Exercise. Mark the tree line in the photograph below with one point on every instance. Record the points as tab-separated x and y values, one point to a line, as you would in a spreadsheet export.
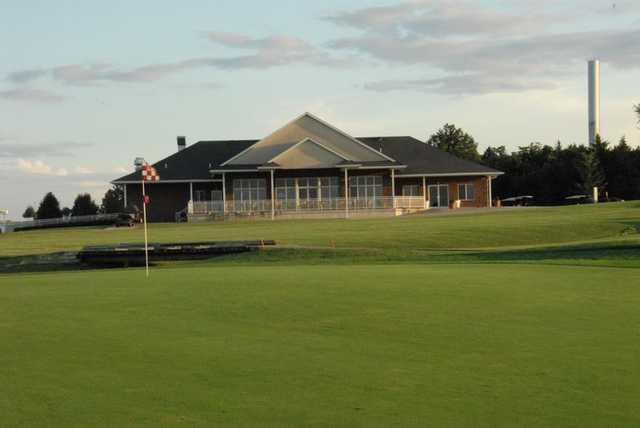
49	207
552	173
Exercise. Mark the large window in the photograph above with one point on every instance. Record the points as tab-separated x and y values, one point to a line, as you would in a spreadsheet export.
466	192
365	187
249	189
411	190
306	192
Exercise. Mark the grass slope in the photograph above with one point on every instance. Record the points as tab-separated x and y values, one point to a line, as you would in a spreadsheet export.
531	227
508	345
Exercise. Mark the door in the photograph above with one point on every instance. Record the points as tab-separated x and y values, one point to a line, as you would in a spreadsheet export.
439	196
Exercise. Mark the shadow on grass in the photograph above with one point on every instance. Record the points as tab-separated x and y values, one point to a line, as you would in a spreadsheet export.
608	254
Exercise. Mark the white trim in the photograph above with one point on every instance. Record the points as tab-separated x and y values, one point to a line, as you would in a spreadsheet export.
346	193
224	193
348	136
385	167
304	140
393	183
453	174
273	197
222	171
467	183
125	195
168	181
344	134
489	180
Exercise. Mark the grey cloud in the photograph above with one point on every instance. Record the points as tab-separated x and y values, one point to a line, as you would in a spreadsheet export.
496	59
468	84
30	150
272	51
29	94
437	19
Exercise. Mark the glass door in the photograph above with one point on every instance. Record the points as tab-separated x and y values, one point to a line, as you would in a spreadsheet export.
439	196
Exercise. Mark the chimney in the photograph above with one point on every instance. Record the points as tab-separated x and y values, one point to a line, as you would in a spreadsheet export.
182	143
594	100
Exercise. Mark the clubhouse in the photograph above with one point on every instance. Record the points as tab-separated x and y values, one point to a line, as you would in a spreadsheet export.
308	168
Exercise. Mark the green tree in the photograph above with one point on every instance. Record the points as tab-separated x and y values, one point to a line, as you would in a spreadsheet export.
29	212
66	212
49	207
84	205
636	108
455	141
113	201
591	173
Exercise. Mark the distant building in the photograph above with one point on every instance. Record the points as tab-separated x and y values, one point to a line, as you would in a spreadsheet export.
309	168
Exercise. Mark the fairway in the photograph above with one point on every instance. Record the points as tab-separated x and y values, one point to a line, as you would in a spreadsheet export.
499	229
411	331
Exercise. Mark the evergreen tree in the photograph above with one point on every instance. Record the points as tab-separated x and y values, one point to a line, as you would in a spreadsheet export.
455	141
84	205
113	201
49	207
29	212
591	173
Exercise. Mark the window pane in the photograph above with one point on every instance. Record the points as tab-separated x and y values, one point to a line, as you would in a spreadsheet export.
470	192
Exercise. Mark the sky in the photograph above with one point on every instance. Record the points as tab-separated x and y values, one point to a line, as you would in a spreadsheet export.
87	86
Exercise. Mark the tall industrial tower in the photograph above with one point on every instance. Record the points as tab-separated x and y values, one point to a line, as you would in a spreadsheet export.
594	100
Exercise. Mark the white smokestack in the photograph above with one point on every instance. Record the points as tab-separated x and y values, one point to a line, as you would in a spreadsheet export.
594	100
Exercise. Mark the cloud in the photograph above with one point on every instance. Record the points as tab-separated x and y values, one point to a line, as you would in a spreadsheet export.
469	49
29	94
25	150
83	170
437	19
266	52
40	168
467	84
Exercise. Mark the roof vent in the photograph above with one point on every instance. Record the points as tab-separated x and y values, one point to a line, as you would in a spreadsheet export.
182	143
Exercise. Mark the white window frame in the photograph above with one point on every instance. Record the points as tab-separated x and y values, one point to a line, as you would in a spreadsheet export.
366	187
249	189
466	187
411	190
199	195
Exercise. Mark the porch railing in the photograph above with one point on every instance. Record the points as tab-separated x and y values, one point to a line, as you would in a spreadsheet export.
310	205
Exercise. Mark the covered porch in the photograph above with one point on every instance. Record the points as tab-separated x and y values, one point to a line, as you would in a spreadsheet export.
300	193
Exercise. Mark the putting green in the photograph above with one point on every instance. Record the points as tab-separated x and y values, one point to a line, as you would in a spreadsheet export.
405	345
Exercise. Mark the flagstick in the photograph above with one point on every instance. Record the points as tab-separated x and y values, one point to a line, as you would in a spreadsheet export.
144	213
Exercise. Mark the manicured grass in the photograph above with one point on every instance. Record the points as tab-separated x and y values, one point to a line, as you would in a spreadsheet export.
409	345
529	227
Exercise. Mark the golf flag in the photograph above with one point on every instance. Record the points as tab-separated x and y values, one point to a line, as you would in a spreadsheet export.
149	173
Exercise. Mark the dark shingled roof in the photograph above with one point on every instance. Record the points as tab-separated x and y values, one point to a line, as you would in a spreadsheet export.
193	162
421	158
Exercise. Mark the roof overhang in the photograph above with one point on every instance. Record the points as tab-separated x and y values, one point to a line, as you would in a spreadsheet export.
161	181
455	174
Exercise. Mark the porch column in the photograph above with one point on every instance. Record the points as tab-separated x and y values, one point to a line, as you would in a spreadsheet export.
346	193
393	187
224	194
424	191
125	195
191	191
273	199
490	203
